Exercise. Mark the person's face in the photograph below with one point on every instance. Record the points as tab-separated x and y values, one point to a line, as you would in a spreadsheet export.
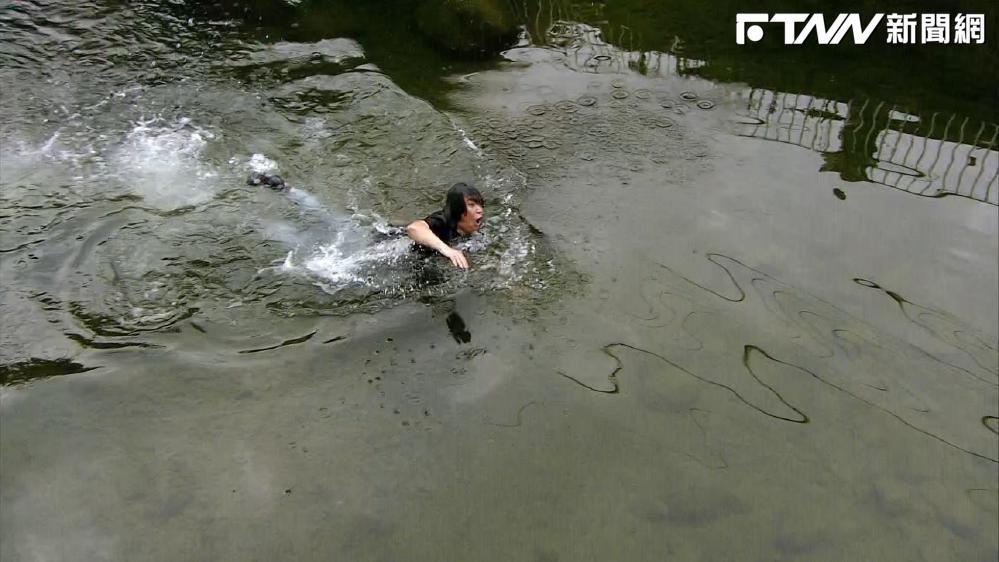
471	221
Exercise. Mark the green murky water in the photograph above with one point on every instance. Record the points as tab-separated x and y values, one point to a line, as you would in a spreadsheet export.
729	302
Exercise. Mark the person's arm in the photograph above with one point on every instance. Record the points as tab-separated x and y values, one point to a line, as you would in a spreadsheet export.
420	232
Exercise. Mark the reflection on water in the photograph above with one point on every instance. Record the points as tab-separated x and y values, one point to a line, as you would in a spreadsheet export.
934	156
931	155
587	49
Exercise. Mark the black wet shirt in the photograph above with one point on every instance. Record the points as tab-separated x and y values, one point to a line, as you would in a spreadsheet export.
440	228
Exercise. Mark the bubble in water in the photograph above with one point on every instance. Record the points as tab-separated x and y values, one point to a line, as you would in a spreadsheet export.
705	104
688	96
586	100
619	94
566	106
537	109
600	130
624	105
660	121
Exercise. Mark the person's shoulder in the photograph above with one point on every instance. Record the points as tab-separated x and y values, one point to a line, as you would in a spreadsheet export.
436	217
439	226
436	222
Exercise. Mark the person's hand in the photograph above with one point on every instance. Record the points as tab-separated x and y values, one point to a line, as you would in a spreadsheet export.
456	257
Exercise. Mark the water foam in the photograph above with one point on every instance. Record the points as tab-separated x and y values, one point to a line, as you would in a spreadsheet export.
468	141
340	267
364	249
161	162
352	260
262	164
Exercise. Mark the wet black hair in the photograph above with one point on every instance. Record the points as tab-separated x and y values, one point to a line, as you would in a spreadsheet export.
454	204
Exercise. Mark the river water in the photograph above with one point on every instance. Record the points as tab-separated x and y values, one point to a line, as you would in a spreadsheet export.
710	314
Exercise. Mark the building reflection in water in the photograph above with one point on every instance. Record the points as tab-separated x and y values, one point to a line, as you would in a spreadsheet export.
930	156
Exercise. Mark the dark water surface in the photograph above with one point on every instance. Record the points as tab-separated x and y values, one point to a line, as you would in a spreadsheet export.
729	302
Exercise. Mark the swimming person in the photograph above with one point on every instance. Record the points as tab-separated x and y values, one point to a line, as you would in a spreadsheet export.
461	216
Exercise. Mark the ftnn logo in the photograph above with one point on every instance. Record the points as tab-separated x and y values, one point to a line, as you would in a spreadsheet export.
809	23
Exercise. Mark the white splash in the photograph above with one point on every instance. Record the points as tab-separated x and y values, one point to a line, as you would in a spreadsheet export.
337	266
262	164
303	197
468	142
47	147
161	162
